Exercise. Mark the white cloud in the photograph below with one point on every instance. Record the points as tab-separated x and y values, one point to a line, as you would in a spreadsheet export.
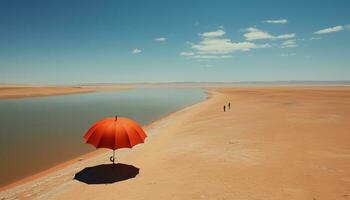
217	33
330	30
161	39
136	51
253	33
289	44
286	36
214	45
224	46
186	53
276	21
256	34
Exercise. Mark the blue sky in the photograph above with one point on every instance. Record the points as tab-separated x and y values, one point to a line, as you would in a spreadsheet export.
69	42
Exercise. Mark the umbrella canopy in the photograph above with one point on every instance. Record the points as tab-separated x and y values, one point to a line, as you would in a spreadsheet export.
115	133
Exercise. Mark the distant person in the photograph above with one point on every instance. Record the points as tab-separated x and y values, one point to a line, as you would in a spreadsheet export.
229	105
224	108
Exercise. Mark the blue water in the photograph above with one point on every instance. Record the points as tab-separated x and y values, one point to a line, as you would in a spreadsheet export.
38	133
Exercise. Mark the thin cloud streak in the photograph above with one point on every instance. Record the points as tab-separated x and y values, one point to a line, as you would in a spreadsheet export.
330	30
276	21
161	39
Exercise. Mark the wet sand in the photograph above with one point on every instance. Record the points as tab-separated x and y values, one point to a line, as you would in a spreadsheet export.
274	143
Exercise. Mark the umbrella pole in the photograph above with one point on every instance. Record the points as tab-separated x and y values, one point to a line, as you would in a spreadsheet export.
113	156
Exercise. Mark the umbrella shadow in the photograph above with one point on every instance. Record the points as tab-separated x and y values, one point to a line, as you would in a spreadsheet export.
106	173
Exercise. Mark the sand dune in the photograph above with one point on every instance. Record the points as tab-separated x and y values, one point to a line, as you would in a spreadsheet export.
274	143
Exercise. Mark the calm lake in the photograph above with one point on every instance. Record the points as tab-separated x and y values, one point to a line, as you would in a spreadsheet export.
38	133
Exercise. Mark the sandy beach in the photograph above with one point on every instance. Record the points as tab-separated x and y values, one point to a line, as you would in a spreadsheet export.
274	143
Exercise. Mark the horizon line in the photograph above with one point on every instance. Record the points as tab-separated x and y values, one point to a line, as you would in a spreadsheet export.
189	82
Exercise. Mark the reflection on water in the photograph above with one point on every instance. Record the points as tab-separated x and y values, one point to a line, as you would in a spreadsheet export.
38	133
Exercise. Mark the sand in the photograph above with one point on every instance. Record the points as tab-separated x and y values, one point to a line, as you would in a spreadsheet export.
274	143
25	91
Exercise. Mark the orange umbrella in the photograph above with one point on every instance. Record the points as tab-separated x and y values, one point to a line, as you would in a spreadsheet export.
115	133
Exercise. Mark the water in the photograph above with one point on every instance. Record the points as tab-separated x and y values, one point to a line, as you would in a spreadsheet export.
38	133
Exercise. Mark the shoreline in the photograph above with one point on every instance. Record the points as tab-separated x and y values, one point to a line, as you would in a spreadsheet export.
89	155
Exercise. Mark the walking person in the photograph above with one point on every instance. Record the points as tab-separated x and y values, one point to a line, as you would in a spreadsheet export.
224	108
229	105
